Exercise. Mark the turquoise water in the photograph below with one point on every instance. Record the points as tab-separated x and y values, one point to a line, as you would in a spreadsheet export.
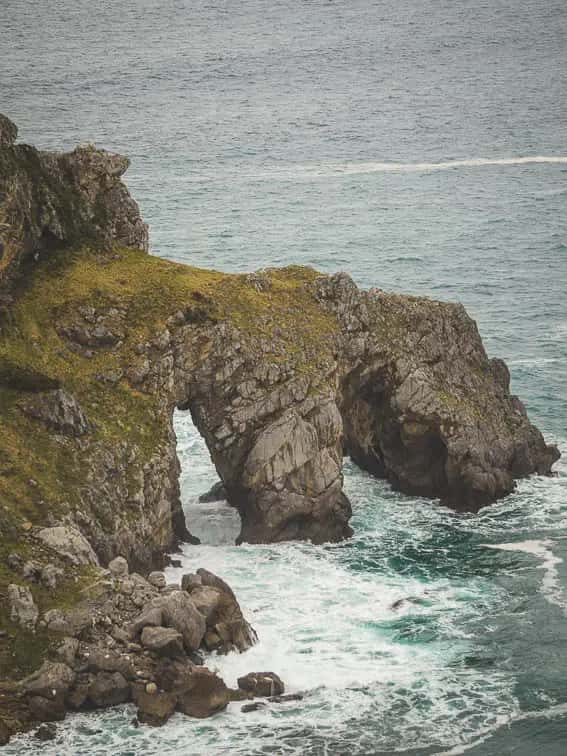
389	141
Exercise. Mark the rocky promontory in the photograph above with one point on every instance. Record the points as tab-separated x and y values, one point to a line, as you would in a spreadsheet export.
284	371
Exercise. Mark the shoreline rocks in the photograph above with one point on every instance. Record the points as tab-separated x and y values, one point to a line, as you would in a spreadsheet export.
283	371
144	654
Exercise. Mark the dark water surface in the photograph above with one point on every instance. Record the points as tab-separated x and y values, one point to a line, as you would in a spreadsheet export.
389	140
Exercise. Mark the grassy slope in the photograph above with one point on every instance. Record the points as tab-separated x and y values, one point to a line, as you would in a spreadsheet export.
33	355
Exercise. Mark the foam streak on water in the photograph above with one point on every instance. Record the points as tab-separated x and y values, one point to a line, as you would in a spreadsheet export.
353	168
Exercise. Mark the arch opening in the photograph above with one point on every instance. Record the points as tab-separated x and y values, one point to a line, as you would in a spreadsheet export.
213	521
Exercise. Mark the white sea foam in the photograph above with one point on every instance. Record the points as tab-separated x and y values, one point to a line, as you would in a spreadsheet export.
350	168
378	167
377	674
550	583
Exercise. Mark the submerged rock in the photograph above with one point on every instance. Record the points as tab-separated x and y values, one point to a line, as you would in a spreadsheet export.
46	732
261	684
217	492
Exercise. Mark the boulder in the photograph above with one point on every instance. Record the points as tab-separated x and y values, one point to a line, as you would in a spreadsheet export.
286	698
51	680
46	731
207	600
118	567
99	659
5	733
151	616
180	613
164	641
227	629
23	610
173	675
155	708
69	543
109	689
79	692
190	581
157	579
46	709
261	684
203	695
217	492
252	707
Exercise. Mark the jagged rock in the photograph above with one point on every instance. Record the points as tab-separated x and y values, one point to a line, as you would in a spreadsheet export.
71	622
8	132
46	731
155	709
151	616
70	543
261	684
52	680
203	694
252	706
109	689
164	641
286	698
23	610
61	198
46	709
50	576
173	674
97	659
188	582
118	567
15	562
209	578
157	579
180	613
5	731
58	410
67	651
216	492
227	629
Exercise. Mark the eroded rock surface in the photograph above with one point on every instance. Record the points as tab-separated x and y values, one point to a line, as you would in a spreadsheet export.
128	650
282	371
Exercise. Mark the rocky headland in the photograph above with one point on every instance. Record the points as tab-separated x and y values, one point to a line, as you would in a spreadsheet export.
284	371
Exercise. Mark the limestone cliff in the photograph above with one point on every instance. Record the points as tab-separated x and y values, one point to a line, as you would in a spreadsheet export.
282	370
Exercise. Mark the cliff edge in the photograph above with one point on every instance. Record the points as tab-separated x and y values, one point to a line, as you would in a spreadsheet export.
283	372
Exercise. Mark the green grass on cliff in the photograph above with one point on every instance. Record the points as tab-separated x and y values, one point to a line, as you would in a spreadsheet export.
41	473
34	356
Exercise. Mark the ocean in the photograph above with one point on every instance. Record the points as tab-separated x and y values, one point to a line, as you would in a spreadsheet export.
421	146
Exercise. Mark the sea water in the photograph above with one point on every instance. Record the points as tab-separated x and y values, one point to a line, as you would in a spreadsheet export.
420	146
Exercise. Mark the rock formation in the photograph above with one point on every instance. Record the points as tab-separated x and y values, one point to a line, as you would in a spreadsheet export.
126	640
282	370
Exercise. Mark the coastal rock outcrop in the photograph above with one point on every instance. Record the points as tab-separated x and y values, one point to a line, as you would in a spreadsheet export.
99	663
283	371
49	199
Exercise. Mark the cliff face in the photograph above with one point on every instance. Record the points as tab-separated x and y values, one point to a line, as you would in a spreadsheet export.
51	199
282	370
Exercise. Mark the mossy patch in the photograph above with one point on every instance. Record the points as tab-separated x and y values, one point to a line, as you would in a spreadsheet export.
42	473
